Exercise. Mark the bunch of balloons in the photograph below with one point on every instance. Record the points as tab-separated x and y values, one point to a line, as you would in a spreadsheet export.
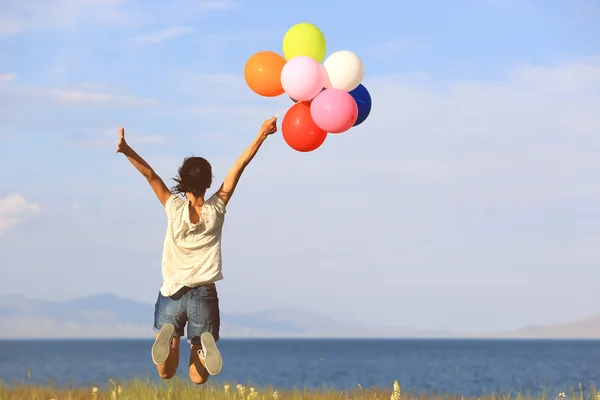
329	97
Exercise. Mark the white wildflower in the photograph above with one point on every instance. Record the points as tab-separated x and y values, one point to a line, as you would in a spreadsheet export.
241	390
396	393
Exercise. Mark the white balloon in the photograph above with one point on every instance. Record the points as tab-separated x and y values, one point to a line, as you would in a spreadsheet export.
345	70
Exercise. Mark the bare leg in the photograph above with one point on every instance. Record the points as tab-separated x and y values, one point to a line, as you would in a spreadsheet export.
168	369
198	372
210	354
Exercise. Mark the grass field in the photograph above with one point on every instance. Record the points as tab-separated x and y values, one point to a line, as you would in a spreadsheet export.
176	389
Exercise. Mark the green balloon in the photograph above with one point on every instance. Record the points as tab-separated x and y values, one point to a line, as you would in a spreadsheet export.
304	39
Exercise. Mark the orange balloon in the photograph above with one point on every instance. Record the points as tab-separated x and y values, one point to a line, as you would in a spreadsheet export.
263	73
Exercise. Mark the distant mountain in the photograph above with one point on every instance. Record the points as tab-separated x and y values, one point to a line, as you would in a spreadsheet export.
292	322
588	328
95	316
108	315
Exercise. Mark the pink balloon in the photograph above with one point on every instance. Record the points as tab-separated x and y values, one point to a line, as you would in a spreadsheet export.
302	78
334	110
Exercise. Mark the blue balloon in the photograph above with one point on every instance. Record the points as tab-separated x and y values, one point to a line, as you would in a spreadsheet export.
363	100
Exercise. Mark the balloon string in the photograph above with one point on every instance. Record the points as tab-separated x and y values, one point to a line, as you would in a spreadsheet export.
284	111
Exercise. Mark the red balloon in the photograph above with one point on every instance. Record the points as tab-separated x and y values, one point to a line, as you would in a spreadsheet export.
299	130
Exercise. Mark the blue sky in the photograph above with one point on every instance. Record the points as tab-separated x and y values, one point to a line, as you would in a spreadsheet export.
468	200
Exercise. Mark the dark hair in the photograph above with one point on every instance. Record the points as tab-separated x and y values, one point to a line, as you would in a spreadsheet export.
195	176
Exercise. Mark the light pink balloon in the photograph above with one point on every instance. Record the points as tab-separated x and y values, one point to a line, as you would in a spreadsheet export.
334	110
302	78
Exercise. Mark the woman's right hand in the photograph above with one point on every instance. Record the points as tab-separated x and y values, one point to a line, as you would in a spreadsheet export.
269	126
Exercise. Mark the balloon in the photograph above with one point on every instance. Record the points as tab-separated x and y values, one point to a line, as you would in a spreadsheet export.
344	70
326	80
263	73
300	131
334	110
302	78
363	101
304	39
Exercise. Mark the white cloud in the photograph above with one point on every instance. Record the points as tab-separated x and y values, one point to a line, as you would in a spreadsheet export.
521	5
229	94
219	5
5	78
396	46
37	15
161	35
14	210
107	138
71	96
152	139
176	12
9	26
40	15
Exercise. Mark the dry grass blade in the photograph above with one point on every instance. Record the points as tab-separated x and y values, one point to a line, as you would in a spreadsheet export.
177	389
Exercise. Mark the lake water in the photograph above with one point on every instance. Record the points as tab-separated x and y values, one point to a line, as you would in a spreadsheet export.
464	367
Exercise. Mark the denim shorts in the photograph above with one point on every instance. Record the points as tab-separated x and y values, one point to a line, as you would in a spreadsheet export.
198	307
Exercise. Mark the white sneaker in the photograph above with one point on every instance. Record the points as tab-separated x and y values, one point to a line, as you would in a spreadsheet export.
210	354
162	345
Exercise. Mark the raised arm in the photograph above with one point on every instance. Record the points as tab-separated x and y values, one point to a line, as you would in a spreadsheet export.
157	184
231	180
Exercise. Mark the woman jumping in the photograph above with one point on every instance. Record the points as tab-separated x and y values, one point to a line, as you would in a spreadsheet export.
191	259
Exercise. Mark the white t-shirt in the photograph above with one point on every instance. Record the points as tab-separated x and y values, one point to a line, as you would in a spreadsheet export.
192	252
